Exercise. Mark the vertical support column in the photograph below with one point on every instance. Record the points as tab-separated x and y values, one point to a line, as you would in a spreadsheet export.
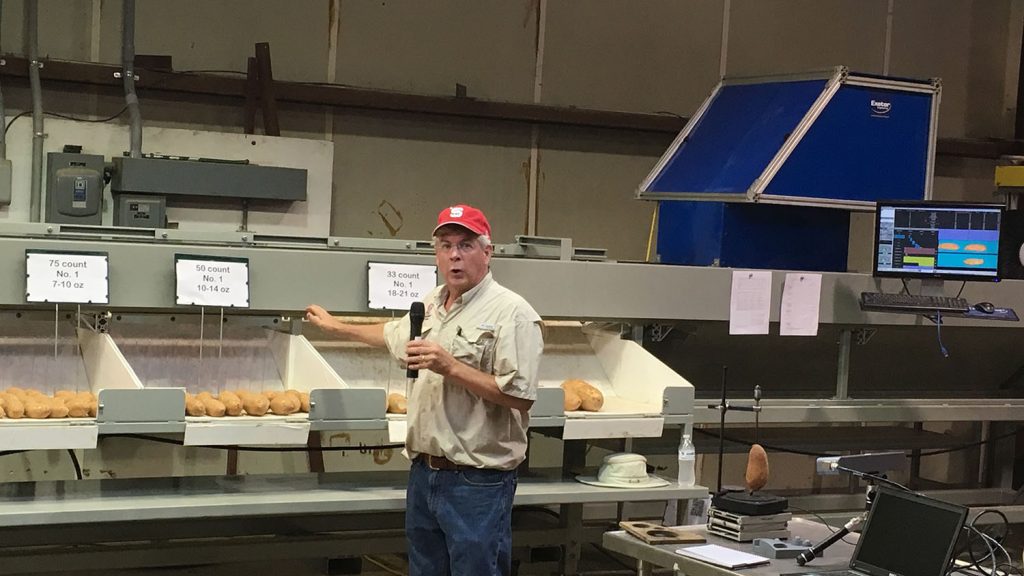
915	462
843	365
1002	456
271	125
638	333
572	529
532	203
574	457
252	95
984	454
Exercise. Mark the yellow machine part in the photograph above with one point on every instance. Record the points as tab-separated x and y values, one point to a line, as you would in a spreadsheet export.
1010	176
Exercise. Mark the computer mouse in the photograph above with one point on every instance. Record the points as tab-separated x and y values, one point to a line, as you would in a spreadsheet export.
986	307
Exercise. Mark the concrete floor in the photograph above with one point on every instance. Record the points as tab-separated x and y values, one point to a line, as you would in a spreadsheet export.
593	560
279	568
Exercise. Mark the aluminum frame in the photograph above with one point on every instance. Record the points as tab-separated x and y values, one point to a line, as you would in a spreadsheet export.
836	78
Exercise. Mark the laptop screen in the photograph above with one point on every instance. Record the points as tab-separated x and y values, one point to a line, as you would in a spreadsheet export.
908	535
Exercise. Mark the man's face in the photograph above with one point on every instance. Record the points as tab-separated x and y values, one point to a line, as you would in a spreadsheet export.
460	257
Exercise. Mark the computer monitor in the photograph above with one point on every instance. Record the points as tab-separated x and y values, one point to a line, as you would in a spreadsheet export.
937	240
907	534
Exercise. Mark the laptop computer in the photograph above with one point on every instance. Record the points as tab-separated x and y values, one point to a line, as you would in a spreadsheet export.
905	535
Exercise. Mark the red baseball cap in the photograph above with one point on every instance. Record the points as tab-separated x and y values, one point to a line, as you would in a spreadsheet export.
468	217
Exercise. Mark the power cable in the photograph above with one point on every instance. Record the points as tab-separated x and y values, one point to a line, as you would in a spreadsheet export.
383	566
74	462
819	455
820	519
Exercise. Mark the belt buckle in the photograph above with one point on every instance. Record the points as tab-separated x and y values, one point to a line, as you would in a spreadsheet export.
430	462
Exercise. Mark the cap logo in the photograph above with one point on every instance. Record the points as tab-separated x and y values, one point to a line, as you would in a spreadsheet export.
455	212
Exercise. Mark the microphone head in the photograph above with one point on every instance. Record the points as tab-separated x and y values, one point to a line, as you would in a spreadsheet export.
417	310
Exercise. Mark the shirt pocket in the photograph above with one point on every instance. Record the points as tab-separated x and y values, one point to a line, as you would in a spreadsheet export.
476	346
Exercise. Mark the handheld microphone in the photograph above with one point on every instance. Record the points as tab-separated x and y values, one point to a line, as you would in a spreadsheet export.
820	547
416	314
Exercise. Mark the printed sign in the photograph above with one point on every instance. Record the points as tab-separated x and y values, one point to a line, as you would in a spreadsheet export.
66	277
212	281
397	286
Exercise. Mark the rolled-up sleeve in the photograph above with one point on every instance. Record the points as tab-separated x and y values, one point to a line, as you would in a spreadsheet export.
517	358
396	334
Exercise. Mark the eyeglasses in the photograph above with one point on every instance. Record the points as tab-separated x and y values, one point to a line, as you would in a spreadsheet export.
464	247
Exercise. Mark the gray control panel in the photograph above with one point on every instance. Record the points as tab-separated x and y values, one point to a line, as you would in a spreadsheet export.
140	211
74	188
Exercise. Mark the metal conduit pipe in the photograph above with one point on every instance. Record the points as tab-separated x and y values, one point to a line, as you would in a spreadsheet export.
3	113
128	76
35	200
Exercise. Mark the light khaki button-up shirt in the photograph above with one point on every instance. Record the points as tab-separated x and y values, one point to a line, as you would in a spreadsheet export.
495	331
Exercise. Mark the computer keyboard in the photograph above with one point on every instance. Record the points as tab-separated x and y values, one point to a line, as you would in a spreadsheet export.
911	303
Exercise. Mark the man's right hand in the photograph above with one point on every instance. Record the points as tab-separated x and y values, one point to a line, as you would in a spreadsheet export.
317	316
372	334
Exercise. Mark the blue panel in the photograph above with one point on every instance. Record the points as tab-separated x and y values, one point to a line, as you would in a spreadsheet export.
786	237
860	151
690	232
737	136
753	236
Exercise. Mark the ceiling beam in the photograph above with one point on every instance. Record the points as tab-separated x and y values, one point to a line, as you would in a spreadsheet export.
155	82
208	84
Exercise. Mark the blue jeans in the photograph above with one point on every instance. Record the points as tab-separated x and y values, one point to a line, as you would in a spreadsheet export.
459	523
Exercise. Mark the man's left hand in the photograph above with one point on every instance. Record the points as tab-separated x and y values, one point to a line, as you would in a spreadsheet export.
429	355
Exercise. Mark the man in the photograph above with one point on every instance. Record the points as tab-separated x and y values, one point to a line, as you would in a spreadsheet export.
467	412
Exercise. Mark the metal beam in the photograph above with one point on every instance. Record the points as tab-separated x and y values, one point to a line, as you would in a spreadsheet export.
154	81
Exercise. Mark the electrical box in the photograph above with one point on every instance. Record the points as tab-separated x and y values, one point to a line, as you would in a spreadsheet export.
74	188
177	177
140	211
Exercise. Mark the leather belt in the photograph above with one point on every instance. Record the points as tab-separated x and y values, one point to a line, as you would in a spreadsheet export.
441	463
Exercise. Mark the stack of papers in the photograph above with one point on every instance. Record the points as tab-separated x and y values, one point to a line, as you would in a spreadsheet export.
722	556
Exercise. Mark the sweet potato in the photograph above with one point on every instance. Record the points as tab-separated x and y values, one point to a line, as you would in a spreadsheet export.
397	403
12	405
295	395
254	404
757	468
213	406
283	404
58	409
193	407
572	400
232	403
304	402
591	399
37	409
77	407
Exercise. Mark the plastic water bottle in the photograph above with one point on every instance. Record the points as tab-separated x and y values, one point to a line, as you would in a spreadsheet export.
687	462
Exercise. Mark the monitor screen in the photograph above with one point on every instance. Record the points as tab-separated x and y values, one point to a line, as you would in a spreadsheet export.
908	535
945	240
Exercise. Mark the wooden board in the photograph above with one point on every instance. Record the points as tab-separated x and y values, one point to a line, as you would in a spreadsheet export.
652	533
